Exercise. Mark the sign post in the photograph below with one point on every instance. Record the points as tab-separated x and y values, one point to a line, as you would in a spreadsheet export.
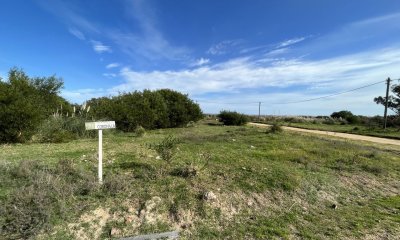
100	126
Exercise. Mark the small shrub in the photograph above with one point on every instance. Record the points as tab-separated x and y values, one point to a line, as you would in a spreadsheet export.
188	171
114	184
166	148
140	131
275	128
193	168
232	118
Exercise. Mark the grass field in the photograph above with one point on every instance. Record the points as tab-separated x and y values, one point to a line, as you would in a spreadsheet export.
393	133
223	183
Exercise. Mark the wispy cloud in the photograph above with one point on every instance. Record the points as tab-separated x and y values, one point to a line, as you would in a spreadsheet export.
113	65
81	95
238	75
78	34
148	42
110	75
276	52
256	48
200	62
290	42
100	47
355	36
223	47
274	82
64	11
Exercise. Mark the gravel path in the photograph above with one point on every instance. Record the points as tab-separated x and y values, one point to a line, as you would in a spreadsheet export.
336	134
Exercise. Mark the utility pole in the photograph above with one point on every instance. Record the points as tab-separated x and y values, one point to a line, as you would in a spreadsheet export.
259	110
386	103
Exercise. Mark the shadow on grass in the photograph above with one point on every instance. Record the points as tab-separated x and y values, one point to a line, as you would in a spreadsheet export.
134	165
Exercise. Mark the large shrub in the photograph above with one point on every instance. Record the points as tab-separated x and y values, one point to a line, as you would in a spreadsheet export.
232	118
149	109
25	102
180	108
346	115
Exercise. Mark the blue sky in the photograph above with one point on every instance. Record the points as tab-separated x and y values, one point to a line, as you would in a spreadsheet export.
226	54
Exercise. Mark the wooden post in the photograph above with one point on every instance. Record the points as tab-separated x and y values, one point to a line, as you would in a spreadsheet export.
100	156
100	126
386	103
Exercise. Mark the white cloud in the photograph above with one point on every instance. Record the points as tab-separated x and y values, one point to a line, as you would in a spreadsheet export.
81	95
250	80
290	42
148	42
110	75
200	62
319	77
64	11
367	34
112	65
100	47
223	47
78	34
277	51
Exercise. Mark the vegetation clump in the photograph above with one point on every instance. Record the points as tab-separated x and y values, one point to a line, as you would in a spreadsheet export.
232	118
40	195
166	149
140	131
163	108
275	128
346	115
25	102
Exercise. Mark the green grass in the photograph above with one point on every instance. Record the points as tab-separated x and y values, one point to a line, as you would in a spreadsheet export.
393	133
268	185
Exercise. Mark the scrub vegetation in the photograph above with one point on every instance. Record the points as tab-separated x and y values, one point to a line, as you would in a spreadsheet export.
343	121
214	182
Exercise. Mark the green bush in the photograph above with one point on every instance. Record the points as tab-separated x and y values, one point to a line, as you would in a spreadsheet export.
140	131
346	115
232	118
25	102
150	109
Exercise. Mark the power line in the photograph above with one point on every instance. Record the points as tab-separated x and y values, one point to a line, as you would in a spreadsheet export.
334	94
305	100
227	103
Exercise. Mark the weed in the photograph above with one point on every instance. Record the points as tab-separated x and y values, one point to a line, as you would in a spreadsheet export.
275	128
166	148
140	131
194	167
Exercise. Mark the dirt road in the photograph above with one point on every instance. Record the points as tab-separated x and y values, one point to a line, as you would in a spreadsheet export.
336	134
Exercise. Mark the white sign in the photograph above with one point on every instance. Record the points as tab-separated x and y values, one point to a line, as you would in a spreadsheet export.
99	125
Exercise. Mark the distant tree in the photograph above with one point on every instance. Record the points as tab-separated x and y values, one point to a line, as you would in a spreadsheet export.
346	115
393	100
232	118
25	102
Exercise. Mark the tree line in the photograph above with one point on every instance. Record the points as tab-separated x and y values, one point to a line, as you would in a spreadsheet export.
31	106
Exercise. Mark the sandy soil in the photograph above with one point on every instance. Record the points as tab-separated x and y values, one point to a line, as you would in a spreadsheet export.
336	134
